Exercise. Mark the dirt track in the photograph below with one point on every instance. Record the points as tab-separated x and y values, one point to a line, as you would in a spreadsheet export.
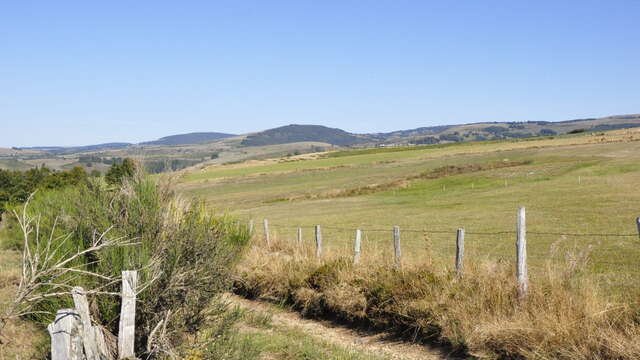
373	343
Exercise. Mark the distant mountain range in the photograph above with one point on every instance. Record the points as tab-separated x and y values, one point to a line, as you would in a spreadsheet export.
422	135
181	139
439	134
75	149
188	139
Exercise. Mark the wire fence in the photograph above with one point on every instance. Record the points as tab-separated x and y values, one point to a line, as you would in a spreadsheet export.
611	257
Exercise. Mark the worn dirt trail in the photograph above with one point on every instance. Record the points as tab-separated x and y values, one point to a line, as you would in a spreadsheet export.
373	343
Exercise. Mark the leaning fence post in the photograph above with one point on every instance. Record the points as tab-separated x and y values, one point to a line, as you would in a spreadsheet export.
66	340
266	231
318	242
396	246
356	252
459	251
521	252
299	237
126	333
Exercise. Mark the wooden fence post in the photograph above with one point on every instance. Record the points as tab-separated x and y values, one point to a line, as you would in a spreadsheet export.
521	252
90	334
266	231
126	333
356	252
459	251
638	224
66	338
396	247
299	237
318	242
250	227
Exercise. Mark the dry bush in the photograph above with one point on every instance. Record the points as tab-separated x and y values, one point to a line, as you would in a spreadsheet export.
564	316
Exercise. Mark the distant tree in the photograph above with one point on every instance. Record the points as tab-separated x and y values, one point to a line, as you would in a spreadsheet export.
215	155
547	132
120	171
16	186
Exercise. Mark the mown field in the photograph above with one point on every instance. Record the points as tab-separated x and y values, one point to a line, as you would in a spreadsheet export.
580	194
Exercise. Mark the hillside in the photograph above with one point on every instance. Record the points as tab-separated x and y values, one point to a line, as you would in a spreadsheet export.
581	203
301	133
442	133
188	139
508	130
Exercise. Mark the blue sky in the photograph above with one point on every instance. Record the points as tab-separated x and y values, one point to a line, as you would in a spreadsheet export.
83	72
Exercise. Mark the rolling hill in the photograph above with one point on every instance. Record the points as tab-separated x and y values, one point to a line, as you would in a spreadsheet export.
77	149
301	133
188	139
439	134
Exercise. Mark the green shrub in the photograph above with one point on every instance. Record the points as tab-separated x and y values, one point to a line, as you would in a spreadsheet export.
183	256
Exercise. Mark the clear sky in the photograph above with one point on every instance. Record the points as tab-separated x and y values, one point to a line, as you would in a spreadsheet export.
85	72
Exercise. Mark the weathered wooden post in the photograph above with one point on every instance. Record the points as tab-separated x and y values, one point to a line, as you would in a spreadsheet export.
66	337
251	227
92	336
299	237
459	251
638	224
356	252
126	333
396	247
521	252
318	242
266	231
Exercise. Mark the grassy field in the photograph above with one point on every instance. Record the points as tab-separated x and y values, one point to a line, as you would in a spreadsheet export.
571	187
581	198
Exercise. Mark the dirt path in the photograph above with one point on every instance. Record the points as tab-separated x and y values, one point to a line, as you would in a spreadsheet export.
378	343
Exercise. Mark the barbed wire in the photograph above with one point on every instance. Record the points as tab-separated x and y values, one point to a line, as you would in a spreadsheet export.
480	233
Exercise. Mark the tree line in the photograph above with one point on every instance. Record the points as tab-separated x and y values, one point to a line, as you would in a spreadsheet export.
16	186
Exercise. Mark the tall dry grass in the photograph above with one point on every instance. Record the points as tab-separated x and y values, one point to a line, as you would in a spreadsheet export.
564	316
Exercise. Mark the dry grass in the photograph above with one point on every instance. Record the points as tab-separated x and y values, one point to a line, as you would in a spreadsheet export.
565	316
20	339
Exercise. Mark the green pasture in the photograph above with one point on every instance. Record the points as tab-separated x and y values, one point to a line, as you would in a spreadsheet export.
579	198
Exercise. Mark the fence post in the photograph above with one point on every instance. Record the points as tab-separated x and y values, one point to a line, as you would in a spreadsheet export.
66	340
356	253
396	247
521	252
318	242
251	227
266	231
89	332
638	224
459	251
299	237
126	333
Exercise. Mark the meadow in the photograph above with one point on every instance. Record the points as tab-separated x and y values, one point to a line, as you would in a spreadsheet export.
580	195
581	200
